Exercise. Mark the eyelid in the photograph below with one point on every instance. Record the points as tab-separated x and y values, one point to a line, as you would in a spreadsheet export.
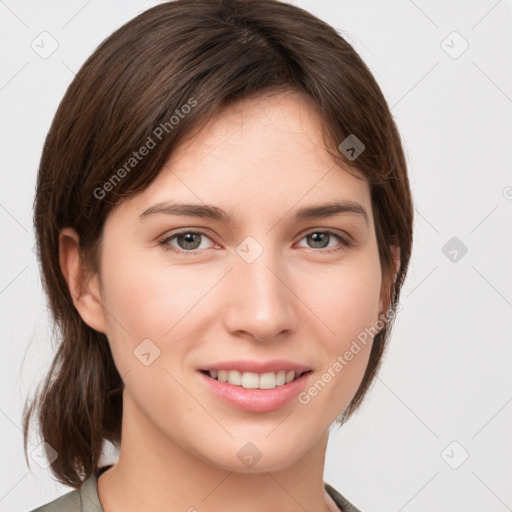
343	234
168	236
344	238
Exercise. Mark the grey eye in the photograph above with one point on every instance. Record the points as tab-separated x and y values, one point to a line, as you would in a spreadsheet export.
320	240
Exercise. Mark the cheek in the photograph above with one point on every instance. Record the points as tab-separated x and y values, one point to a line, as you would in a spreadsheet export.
159	302
346	299
345	303
147	300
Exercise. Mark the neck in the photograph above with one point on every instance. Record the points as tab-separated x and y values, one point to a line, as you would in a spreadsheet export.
154	472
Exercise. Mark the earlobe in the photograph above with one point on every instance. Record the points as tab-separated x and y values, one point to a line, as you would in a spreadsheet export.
83	289
388	284
395	249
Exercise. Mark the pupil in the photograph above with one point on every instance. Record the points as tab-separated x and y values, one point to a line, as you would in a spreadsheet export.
189	241
320	238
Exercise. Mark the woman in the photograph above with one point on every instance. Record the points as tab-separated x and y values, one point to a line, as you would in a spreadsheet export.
224	224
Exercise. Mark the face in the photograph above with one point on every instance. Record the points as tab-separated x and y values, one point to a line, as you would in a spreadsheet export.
251	295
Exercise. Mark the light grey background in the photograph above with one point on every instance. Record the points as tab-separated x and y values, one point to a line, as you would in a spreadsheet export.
444	391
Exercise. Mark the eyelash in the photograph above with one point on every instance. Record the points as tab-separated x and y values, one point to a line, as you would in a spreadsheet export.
164	242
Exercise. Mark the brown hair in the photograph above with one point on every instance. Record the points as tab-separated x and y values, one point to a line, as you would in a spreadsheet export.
205	54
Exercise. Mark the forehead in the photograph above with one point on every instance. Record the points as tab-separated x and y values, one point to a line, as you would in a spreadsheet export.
262	156
274	127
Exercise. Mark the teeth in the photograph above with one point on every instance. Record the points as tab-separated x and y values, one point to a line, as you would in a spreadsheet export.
251	380
234	377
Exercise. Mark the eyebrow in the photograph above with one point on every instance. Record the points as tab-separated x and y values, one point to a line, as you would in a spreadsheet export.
212	212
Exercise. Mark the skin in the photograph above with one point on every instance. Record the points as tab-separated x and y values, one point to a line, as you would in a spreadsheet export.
260	159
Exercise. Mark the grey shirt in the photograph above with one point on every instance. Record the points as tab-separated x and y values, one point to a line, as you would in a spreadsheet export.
86	498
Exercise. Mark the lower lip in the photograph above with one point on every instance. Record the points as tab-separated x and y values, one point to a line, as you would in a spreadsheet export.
256	400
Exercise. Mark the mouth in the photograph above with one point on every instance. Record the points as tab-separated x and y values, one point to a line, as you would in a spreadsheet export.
253	380
256	387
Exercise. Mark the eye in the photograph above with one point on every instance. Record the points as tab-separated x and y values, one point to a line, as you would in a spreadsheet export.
187	241
321	240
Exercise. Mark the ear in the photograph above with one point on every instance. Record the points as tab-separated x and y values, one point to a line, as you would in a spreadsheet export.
84	290
389	281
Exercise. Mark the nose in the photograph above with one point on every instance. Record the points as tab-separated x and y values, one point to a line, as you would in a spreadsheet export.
260	301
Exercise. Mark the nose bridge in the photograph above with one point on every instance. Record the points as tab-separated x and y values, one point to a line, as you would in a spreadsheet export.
260	302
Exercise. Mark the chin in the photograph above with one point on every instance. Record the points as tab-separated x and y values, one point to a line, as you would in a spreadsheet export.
255	454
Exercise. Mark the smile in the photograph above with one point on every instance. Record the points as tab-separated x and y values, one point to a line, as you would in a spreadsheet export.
255	392
252	380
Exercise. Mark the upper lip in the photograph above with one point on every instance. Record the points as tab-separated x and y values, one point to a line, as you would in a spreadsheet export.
258	366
